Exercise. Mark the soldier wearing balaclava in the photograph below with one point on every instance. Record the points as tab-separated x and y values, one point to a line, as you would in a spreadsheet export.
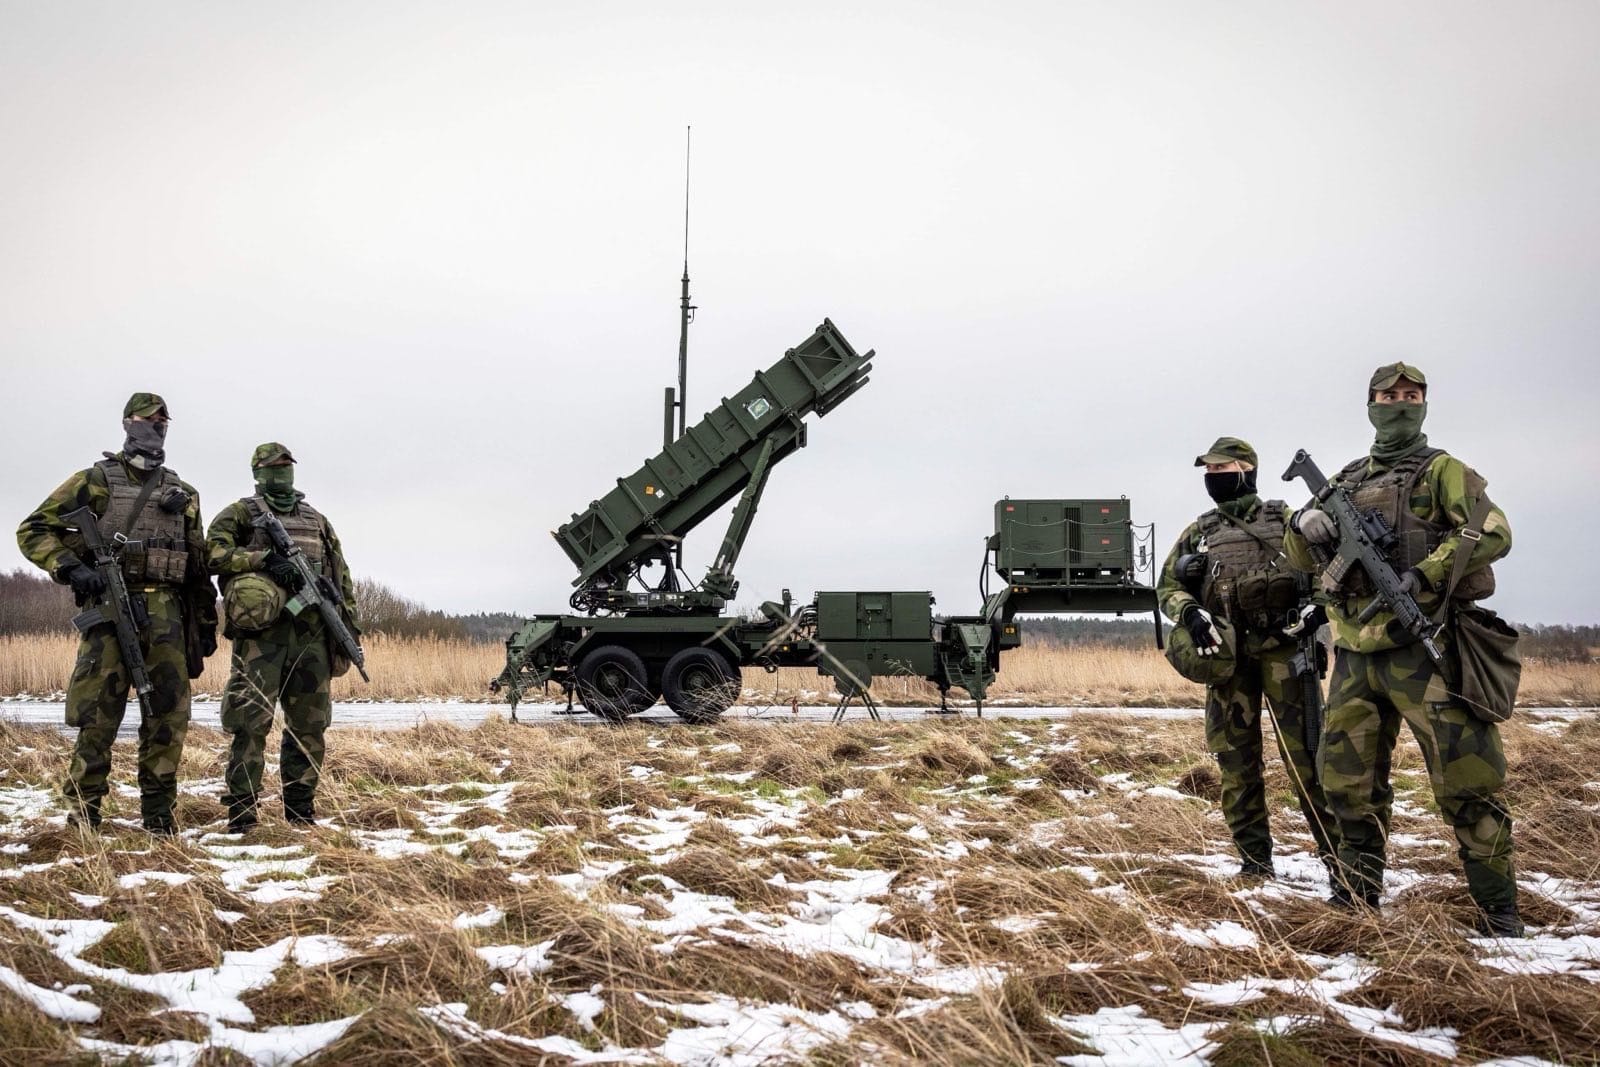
152	517
1227	573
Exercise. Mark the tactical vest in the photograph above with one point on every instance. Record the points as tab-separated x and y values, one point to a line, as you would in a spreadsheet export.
156	550
1247	579
1390	494
304	525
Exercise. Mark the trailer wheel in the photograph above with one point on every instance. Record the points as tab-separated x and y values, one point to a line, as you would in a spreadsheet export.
612	683
700	684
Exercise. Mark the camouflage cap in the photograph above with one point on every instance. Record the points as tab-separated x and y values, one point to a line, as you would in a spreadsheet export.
1389	373
145	405
271	454
1227	450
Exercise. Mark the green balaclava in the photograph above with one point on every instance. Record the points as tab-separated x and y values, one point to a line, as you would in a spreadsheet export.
273	467
1399	426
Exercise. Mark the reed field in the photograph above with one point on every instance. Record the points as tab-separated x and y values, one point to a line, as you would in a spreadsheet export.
1085	676
951	892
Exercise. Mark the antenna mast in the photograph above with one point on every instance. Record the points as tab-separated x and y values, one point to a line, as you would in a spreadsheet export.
685	309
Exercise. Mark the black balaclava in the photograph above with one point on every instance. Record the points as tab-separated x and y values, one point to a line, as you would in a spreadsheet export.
145	442
1224	486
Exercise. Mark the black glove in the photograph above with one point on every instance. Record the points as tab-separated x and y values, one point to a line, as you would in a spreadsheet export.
280	570
208	643
1191	567
1412	583
1198	622
85	581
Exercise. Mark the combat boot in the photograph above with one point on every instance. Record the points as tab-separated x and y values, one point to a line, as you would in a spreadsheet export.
85	816
241	816
161	827
300	811
1342	898
1256	871
1501	922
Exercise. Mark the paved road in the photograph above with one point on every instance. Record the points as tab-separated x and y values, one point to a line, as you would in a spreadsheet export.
401	715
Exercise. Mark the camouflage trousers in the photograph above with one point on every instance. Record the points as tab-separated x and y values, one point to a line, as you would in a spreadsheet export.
97	698
1369	695
1233	734
287	663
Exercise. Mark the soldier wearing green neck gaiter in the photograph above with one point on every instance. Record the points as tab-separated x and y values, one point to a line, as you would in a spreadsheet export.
1382	677
281	654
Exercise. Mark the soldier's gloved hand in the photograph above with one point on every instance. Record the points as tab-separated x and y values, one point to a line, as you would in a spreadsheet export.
208	643
85	581
1197	620
1412	582
1316	526
1311	615
280	570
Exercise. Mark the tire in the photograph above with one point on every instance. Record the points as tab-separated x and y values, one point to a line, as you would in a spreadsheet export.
613	684
700	684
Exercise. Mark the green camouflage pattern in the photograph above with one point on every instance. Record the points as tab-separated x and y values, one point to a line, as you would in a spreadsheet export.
226	555
271	454
97	698
1227	450
287	663
145	405
1389	373
50	543
1233	735
1446	495
1370	694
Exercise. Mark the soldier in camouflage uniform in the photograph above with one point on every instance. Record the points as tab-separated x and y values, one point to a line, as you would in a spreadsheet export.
1229	563
1383	676
163	562
278	655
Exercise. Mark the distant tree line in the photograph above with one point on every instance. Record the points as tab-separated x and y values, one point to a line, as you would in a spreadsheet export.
32	603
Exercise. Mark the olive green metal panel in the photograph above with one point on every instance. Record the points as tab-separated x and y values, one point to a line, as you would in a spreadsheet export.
714	459
1064	542
875	616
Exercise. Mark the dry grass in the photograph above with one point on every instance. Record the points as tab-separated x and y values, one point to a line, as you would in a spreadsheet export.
432	669
1023	850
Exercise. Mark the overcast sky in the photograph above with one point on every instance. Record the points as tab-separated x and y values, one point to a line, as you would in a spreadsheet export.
435	249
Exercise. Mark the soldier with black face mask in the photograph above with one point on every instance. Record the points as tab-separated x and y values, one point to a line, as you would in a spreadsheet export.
163	561
1229	565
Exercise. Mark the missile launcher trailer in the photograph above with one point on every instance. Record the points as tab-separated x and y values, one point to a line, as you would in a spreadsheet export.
642	634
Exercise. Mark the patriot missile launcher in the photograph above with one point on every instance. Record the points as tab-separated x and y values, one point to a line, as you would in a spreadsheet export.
640	633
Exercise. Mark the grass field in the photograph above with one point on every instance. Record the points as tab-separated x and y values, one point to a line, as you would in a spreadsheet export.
431	669
954	892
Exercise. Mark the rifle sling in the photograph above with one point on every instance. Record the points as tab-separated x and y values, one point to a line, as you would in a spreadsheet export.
1471	534
141	501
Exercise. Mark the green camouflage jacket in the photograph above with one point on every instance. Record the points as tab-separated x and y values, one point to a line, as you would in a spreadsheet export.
45	538
232	529
1443	497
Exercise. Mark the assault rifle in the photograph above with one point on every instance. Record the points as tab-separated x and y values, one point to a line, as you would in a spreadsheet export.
115	605
315	591
1364	541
